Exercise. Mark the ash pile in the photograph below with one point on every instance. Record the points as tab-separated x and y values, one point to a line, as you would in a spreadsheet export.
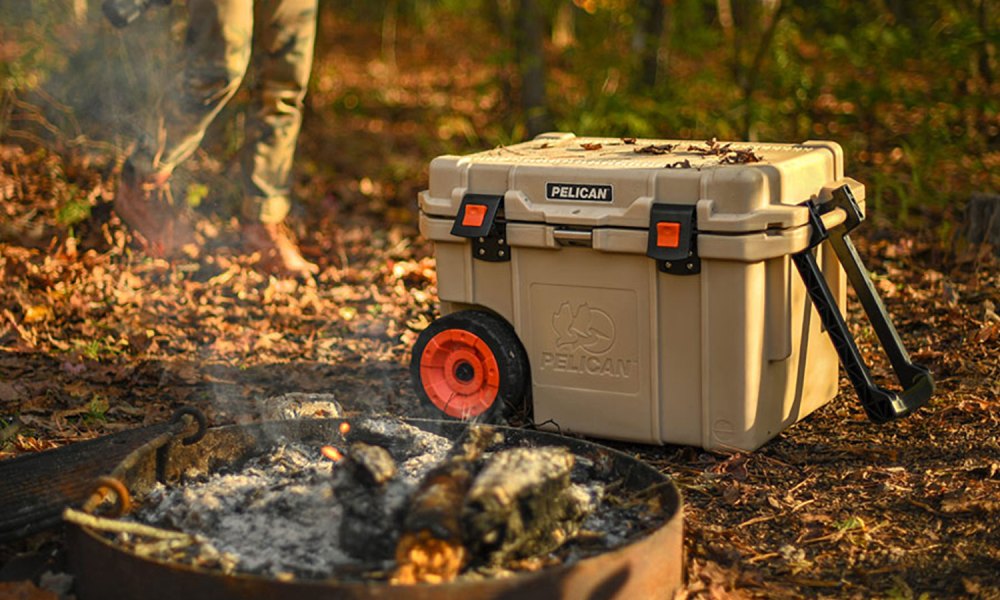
388	501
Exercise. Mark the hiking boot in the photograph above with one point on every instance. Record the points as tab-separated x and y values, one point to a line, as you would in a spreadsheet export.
145	206
279	254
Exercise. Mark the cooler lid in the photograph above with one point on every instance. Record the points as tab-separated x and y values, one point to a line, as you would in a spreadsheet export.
561	179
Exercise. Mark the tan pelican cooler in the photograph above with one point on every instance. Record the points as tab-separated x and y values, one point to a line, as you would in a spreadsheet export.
656	291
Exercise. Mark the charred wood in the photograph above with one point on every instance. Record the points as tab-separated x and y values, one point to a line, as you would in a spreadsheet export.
431	548
402	440
362	481
523	504
489	510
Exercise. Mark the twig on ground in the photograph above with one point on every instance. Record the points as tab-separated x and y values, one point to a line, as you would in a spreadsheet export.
78	517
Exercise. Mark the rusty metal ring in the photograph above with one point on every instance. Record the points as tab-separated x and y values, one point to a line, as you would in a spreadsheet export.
199	418
123	499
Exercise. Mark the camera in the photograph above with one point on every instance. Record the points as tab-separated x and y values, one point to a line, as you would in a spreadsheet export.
123	12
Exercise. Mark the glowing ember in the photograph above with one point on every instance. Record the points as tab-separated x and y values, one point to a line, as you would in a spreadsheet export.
345	427
422	558
332	453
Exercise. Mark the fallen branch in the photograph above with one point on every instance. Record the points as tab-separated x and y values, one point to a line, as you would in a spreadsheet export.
78	517
755	520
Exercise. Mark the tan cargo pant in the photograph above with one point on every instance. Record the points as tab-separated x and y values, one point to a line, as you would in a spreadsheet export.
221	37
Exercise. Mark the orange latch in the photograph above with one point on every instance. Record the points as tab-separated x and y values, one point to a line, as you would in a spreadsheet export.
668	235
474	215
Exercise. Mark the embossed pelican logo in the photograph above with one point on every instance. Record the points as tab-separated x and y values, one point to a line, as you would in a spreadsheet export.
585	328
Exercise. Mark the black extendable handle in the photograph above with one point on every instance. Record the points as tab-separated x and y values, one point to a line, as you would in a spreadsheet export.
881	405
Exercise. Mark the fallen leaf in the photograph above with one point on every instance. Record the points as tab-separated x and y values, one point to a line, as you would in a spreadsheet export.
986	333
656	149
37	313
966	504
8	393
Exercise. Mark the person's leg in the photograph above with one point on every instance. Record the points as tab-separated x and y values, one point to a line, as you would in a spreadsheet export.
217	50
216	54
283	50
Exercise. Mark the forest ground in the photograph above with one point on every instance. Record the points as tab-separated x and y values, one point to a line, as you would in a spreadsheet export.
96	338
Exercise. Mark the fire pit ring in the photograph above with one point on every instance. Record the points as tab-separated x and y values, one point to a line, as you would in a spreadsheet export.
649	567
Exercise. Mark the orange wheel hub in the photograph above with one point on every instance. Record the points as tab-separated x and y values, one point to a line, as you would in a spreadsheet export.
459	372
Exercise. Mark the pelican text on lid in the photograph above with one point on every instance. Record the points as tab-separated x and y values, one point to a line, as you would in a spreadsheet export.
579	191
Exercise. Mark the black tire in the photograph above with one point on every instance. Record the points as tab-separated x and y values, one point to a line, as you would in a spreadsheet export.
451	370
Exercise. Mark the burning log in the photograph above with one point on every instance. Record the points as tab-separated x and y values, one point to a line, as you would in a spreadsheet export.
514	504
370	525
523	504
431	549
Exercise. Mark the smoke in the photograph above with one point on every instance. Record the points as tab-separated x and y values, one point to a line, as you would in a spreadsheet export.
89	83
98	89
72	82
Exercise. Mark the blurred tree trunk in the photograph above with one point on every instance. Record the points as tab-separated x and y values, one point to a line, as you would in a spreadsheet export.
389	19
80	11
499	14
743	21
649	42
982	220
564	27
987	50
528	42
904	12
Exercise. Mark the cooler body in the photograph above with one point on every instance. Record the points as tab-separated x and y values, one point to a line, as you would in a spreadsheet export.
649	281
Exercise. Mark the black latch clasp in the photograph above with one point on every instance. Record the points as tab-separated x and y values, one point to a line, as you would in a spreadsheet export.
673	239
480	218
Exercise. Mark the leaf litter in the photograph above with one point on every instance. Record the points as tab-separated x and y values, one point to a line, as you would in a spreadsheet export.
833	507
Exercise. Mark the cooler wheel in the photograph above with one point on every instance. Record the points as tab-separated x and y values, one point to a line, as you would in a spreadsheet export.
470	365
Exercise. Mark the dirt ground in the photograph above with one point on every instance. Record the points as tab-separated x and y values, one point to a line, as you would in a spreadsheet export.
97	338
